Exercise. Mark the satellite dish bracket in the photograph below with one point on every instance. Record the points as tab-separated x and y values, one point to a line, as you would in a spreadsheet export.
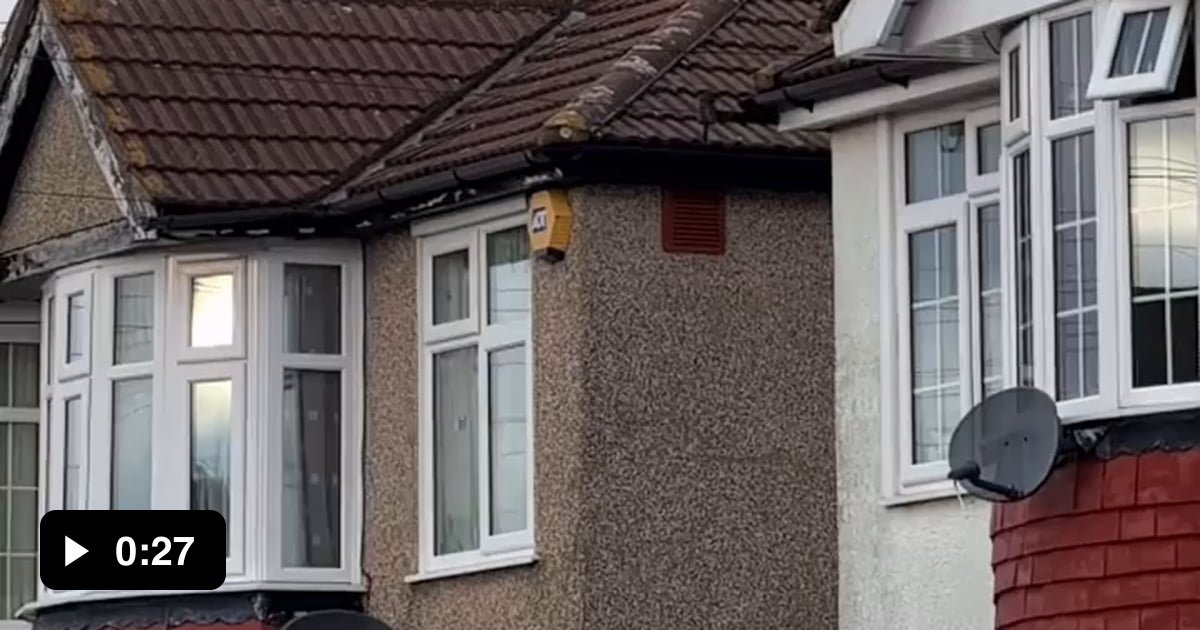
970	472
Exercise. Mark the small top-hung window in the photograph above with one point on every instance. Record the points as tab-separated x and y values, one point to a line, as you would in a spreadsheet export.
1140	48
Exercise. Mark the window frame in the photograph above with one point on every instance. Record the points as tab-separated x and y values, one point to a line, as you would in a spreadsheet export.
28	333
1014	128
1170	395
106	373
1170	53
908	480
348	363
494	551
182	270
66	369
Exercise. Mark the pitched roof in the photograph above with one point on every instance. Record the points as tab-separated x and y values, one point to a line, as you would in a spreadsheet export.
243	103
256	101
629	71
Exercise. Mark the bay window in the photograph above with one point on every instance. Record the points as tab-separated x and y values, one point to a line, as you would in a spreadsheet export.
1082	264
476	427
222	381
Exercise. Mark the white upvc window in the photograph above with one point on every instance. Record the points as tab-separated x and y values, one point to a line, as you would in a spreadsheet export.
1098	261
228	381
19	466
476	481
953	302
1140	47
1014	83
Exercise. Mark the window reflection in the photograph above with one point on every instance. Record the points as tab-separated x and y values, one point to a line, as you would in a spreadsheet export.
212	311
212	431
1163	241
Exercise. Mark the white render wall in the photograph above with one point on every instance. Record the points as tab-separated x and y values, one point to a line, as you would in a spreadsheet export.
923	566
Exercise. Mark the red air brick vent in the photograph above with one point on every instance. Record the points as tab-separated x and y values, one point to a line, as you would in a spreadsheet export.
693	221
1103	545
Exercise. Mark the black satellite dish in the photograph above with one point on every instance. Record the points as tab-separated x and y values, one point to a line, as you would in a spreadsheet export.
1005	448
335	620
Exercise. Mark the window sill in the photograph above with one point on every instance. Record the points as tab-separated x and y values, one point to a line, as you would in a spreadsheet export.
507	561
927	493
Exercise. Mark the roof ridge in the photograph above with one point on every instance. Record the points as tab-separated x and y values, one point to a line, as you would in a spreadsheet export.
636	70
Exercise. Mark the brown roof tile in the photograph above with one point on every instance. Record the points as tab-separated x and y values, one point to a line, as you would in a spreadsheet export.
253	102
580	72
238	103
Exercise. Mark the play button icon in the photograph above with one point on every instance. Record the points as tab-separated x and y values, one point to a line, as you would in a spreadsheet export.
72	551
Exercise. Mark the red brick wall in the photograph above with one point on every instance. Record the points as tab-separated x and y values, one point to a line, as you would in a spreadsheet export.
1103	546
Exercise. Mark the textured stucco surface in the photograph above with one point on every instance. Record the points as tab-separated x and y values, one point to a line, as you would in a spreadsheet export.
684	430
59	188
913	567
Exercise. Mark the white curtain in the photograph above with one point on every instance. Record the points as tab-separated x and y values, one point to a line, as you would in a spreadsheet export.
312	469
456	454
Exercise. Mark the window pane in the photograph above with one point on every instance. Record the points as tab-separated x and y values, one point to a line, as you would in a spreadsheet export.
312	308
1139	42
212	311
1185	362
1014	84
991	300
1154	38
455	451
935	162
21	583
509	459
212	430
935	415
25	455
24	514
509	280
5	373
312	468
1149	344
1024	271
77	323
953	153
25	375
1163	241
989	149
934	338
132	420
1075	264
1070	65
134	319
451	287
75	439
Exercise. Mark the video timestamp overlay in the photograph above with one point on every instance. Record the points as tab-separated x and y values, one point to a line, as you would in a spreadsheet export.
142	550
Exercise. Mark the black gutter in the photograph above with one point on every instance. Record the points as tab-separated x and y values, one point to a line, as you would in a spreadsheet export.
567	164
807	93
445	180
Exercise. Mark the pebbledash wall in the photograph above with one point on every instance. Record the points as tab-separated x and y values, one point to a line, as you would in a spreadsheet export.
683	430
917	566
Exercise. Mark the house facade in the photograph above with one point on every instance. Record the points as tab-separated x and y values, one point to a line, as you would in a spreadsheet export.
1014	196
275	260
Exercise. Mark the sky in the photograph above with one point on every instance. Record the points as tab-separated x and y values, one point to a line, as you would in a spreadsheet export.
6	7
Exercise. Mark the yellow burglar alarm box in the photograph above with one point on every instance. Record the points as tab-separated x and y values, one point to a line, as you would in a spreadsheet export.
550	224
